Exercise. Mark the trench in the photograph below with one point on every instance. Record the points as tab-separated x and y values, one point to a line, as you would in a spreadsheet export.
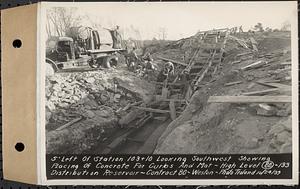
131	140
149	137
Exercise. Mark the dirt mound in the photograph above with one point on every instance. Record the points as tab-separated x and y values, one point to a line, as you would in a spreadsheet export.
274	43
241	128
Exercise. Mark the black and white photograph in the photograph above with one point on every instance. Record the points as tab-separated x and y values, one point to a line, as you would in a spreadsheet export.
146	79
176	78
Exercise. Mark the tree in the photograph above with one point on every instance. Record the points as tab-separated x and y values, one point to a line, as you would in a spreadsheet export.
268	29
60	20
259	27
163	33
286	26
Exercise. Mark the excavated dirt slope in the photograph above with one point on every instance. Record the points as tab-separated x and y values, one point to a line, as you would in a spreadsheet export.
236	128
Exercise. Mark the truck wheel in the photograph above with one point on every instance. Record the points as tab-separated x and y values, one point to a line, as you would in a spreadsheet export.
49	70
106	62
113	62
51	67
93	63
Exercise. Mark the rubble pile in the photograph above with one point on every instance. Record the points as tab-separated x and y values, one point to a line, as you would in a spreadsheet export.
83	109
74	94
281	136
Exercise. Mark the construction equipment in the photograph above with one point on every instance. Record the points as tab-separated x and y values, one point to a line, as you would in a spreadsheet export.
82	47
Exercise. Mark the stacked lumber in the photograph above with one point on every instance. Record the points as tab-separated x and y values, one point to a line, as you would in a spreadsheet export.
239	41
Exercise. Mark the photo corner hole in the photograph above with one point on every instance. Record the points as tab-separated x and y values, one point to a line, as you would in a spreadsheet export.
17	43
19	146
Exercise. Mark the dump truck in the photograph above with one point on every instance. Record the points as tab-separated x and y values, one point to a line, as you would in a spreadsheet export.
83	46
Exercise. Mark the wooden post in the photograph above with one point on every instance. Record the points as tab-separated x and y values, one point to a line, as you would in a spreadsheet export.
172	110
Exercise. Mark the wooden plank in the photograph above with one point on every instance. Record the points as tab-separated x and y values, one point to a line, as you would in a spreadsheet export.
255	65
249	99
272	81
243	54
133	104
161	118
174	61
236	62
215	70
188	93
239	41
254	43
69	123
151	110
261	92
286	63
254	47
253	40
172	110
233	83
277	85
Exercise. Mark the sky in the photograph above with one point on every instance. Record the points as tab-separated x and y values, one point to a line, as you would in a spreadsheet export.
184	19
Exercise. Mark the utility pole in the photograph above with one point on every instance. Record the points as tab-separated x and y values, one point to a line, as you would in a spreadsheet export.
163	32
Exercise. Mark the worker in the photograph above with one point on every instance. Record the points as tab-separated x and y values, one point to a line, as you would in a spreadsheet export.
148	63
169	68
147	57
116	37
241	29
184	78
166	72
132	60
114	60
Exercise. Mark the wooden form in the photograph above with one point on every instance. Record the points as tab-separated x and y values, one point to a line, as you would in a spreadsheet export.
199	79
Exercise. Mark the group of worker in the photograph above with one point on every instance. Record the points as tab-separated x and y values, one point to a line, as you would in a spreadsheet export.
143	64
146	65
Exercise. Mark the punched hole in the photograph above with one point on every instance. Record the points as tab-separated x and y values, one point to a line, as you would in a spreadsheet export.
19	147
17	43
